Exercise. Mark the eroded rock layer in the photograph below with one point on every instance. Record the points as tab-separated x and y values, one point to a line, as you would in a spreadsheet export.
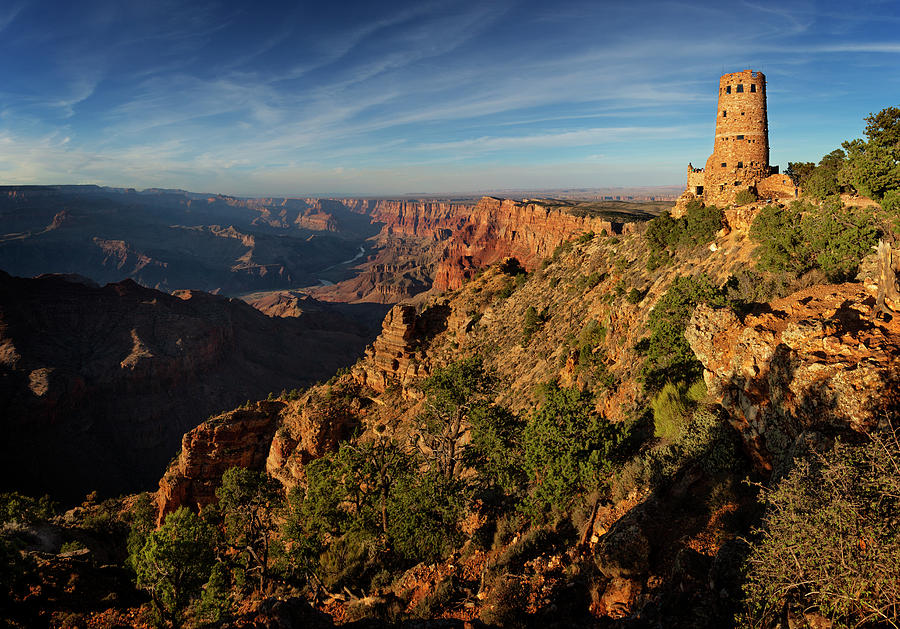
818	360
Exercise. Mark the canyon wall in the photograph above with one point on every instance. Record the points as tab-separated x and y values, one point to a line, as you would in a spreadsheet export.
98	384
440	245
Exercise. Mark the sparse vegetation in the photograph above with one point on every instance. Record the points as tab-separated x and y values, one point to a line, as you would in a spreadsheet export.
830	541
804	237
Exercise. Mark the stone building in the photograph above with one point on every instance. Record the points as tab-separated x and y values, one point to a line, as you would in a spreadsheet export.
740	157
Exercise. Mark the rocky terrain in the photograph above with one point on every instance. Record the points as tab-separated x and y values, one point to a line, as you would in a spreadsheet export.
178	240
817	361
788	372
570	298
98	384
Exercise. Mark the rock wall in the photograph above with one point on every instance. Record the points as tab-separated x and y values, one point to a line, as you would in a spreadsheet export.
817	361
237	438
777	187
467	238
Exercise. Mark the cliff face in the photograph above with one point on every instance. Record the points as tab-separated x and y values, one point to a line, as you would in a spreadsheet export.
473	237
278	437
819	353
98	384
429	244
237	438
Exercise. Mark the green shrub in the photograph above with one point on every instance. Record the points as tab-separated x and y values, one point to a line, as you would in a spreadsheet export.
568	449
422	513
745	197
704	438
591	336
350	560
16	507
71	546
891	201
587	282
508	289
748	287
504	604
668	357
828	177
585	238
495	449
175	561
831	539
670	412
562	248
534	321
665	235
804	237
634	296
701	224
251	504
873	166
215	601
439	598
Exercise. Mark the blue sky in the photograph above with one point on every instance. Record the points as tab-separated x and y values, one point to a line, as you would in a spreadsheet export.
293	98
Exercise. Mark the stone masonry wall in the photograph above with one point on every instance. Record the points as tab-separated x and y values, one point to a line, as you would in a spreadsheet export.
740	157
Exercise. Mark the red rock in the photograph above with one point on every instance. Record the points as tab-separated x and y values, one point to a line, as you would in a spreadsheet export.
815	360
238	438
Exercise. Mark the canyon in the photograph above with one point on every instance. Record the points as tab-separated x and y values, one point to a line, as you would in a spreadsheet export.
114	375
339	250
98	384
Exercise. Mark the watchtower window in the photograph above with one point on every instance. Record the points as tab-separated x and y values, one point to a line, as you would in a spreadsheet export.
737	183
740	164
723	164
740	137
728	89
740	88
753	87
724	113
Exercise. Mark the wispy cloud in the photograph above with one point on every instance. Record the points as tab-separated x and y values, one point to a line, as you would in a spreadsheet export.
236	96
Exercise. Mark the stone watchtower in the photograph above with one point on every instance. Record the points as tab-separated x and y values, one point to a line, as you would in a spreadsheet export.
740	157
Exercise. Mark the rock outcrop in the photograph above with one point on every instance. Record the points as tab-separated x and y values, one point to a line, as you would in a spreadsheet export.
394	357
237	438
313	426
820	360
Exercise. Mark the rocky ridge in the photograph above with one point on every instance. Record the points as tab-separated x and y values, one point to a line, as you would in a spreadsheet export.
98	384
820	353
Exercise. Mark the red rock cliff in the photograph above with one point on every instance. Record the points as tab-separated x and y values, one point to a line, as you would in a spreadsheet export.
816	361
466	238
